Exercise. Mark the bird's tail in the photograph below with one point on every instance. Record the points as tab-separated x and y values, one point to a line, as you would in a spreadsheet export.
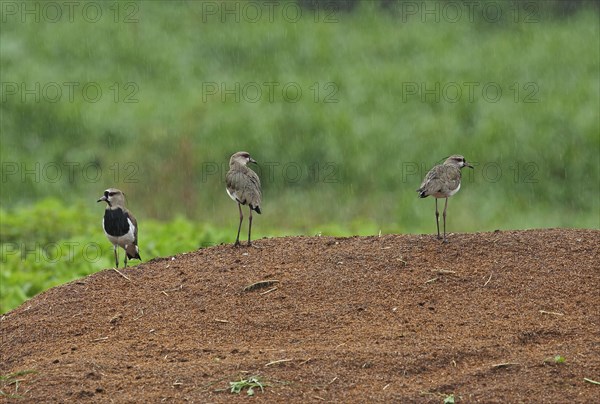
422	193
132	252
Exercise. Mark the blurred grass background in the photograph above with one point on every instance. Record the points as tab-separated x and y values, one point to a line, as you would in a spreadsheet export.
345	105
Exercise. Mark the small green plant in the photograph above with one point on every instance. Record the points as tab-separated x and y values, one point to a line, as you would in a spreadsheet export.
250	383
448	398
557	359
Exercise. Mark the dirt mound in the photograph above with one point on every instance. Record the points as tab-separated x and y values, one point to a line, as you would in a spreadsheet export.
488	317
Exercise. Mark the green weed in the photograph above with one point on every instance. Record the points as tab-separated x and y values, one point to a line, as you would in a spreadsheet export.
250	384
557	359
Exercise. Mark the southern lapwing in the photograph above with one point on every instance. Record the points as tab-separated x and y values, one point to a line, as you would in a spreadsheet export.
119	225
443	181
243	186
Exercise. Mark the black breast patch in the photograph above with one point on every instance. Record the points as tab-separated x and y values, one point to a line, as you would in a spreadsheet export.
115	222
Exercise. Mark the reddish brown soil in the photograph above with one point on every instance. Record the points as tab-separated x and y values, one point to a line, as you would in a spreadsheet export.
398	318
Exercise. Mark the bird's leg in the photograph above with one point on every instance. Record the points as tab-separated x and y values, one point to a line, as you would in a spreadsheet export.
125	260
116	256
437	219
445	207
249	227
237	240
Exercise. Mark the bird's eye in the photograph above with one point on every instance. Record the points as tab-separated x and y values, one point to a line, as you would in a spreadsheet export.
112	193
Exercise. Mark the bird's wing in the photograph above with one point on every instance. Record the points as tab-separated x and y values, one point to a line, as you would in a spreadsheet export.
432	180
233	181
451	179
245	185
135	226
254	188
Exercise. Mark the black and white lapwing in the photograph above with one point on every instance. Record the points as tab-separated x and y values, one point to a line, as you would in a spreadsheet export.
119	225
443	181
243	186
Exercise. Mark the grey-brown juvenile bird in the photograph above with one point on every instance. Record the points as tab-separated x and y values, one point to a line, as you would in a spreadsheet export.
119	225
243	186
443	181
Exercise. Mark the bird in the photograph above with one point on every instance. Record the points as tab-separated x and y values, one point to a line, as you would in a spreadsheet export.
119	225
443	181
243	186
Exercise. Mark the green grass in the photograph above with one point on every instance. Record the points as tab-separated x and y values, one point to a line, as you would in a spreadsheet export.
538	162
345	167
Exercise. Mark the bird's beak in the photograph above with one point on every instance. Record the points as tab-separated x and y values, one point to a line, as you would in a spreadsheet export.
468	165
253	161
102	199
